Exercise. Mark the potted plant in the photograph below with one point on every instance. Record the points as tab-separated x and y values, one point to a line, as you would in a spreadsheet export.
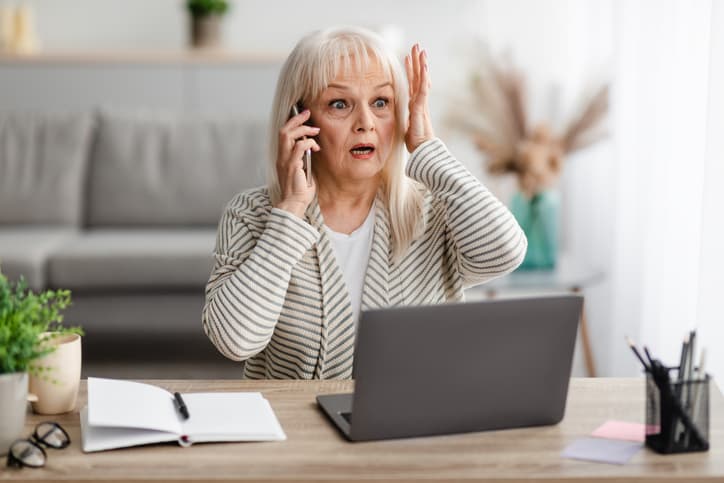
205	16
28	321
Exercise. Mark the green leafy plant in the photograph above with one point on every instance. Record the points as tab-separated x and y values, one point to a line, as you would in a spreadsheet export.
24	317
201	8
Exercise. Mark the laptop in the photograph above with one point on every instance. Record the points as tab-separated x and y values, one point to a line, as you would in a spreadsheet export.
455	368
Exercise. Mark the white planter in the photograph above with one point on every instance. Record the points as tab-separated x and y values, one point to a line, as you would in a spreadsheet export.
57	388
13	407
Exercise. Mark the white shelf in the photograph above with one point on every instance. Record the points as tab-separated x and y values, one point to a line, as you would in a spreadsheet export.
200	56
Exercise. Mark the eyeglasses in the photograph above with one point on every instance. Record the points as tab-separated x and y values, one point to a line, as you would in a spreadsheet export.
29	452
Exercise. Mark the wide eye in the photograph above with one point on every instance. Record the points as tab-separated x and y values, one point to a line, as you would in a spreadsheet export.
338	104
380	102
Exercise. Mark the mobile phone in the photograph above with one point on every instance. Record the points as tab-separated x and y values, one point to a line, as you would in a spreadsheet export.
307	167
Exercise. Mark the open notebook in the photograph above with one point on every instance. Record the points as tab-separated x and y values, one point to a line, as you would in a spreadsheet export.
125	413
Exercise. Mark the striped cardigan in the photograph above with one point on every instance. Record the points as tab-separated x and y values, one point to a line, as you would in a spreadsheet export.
277	299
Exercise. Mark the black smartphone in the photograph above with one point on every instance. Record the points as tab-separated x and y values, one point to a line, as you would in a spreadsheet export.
296	109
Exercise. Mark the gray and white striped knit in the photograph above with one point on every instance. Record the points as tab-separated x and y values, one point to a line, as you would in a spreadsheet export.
277	299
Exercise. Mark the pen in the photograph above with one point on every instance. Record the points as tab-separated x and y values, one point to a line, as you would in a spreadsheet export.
181	405
683	359
648	356
690	369
638	355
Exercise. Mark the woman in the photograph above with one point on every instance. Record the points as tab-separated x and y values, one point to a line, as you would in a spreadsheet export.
297	260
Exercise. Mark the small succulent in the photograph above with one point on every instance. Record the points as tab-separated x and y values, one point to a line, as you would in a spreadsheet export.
201	8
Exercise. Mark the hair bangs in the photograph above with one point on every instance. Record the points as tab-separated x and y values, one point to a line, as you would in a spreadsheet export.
344	55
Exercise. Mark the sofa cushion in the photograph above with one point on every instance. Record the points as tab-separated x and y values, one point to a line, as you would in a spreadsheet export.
151	169
43	160
134	259
25	251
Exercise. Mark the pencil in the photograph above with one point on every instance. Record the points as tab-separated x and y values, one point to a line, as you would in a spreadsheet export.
635	351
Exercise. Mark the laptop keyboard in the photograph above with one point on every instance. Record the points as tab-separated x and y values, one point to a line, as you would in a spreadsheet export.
347	416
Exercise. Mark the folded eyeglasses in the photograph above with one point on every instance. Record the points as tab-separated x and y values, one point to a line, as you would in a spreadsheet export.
29	452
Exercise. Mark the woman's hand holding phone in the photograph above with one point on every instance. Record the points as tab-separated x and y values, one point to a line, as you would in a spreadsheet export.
295	138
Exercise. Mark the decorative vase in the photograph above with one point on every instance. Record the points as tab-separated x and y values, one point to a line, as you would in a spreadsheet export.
205	31
13	407
538	217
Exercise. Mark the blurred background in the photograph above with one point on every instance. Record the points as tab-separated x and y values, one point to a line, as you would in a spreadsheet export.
637	208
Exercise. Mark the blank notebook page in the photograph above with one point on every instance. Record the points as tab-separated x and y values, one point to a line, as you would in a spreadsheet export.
238	416
128	404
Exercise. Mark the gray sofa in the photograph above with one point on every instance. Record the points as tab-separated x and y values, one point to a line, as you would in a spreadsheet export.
121	208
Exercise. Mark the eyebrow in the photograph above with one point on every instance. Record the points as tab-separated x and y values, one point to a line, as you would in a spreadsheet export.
346	88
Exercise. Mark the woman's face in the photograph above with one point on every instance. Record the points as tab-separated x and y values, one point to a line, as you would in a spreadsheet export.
356	117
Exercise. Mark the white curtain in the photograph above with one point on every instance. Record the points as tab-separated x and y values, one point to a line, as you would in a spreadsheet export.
665	266
646	205
711	280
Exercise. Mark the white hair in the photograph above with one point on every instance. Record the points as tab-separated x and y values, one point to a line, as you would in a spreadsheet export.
311	66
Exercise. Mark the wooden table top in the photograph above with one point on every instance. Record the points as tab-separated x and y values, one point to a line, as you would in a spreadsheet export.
315	450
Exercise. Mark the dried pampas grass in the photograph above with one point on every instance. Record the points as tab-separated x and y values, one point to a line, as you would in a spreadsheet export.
493	114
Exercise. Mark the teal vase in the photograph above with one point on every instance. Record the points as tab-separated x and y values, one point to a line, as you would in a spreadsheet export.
538	217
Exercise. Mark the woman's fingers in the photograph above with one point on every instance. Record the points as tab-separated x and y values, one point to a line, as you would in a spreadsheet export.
301	131
300	118
417	70
416	66
294	122
419	127
302	145
296	152
408	71
424	88
295	129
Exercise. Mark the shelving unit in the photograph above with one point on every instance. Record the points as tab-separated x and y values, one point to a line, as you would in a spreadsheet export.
191	57
176	80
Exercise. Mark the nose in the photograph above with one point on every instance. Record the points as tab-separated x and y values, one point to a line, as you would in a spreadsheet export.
365	120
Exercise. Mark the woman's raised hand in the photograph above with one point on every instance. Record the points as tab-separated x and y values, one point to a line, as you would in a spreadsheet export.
419	126
296	192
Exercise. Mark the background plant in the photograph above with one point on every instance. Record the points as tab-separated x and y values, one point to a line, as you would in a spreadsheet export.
24	317
200	8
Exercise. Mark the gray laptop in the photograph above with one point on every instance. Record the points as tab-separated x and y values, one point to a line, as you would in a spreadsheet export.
457	368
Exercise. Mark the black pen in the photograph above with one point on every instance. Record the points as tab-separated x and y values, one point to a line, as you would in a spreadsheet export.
648	356
181	405
638	355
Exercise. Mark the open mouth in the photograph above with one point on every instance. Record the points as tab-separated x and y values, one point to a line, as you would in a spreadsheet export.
362	149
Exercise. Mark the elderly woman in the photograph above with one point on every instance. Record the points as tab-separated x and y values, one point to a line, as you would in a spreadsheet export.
298	259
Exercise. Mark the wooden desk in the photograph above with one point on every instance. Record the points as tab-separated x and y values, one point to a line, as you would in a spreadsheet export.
315	451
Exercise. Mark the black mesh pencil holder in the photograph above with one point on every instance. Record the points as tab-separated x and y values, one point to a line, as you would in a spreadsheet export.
677	415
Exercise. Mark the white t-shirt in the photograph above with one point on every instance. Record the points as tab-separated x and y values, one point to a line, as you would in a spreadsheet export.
353	253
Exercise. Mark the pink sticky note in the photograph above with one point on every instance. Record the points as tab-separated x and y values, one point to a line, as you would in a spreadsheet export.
621	430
